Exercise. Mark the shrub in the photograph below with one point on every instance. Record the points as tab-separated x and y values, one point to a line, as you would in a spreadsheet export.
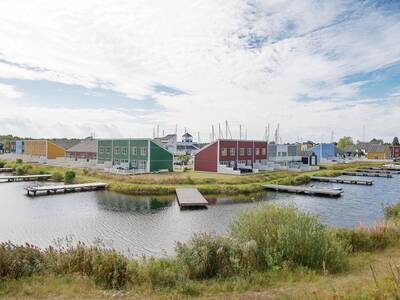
2	164
284	235
378	237
19	161
57	176
23	169
20	261
156	272
69	177
208	255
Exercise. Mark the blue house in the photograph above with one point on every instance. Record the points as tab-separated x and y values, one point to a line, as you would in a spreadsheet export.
325	151
19	147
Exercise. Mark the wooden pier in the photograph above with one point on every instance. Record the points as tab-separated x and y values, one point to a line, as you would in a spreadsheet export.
54	189
377	170
188	197
25	178
366	174
304	190
6	170
343	180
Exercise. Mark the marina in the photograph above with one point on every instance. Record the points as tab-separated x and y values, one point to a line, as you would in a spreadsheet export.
54	189
188	197
343	180
25	178
305	190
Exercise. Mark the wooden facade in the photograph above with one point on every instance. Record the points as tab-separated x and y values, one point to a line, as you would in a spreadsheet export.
230	153
43	148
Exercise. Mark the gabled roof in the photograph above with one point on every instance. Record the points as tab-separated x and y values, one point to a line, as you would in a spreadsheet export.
65	143
369	147
88	145
187	135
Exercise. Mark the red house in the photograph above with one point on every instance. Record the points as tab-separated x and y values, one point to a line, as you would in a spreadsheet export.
86	150
395	151
235	154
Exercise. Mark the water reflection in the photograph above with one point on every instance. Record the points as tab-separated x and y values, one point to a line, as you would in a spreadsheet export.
143	204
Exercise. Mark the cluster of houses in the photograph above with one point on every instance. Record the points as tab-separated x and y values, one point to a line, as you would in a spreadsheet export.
229	156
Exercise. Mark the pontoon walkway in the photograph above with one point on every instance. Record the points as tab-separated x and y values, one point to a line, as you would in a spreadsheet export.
34	190
304	190
366	174
25	178
342	180
188	197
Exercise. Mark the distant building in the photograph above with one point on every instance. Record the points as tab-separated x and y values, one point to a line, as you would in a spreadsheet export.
134	154
1	147
309	158
168	142
184	147
374	151
50	149
86	149
325	151
395	151
230	155
305	146
282	153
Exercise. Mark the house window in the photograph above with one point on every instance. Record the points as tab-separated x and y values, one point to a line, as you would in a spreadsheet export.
124	150
284	154
249	151
263	151
116	150
257	151
248	163
134	150
241	151
143	151
224	152
116	161
134	164
233	151
224	163
101	149
108	150
142	164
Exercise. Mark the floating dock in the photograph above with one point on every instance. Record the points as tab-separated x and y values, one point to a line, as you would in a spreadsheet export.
343	180
304	190
366	174
188	197
24	178
65	188
6	170
377	170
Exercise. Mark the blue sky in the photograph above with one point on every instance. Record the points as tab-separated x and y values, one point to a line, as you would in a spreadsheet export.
312	67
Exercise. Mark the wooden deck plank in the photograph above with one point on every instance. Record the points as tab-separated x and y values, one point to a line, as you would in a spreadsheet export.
25	177
189	197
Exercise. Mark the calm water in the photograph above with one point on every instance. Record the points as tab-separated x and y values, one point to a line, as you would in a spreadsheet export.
153	225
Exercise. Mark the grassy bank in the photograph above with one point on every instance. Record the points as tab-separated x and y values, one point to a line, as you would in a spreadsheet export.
269	250
165	184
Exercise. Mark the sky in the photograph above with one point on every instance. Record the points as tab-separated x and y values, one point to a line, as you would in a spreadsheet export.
119	68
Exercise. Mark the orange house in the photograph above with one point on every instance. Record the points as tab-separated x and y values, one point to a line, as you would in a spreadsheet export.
51	149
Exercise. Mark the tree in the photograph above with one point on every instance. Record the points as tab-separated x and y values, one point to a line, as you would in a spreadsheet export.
376	141
396	141
344	141
69	177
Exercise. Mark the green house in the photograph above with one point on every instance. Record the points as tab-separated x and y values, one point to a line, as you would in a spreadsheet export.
139	154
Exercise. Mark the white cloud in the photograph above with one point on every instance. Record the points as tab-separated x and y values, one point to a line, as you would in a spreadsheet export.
203	47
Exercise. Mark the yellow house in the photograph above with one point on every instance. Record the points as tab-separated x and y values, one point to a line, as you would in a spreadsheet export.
374	151
51	149
376	155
